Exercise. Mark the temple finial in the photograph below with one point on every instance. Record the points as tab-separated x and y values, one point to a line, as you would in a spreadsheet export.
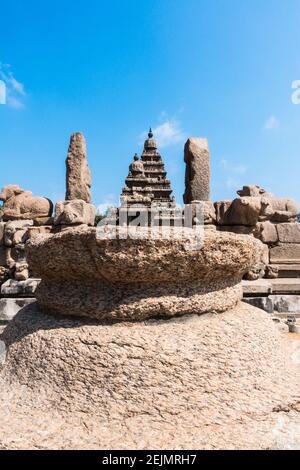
150	134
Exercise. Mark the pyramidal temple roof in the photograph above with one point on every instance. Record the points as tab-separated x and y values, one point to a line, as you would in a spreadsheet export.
147	181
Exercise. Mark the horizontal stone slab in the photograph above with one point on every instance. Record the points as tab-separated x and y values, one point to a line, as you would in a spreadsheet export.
287	270
271	286
288	253
10	307
289	233
285	286
20	288
261	286
139	274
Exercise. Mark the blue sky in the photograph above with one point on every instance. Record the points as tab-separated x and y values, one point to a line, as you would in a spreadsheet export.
221	69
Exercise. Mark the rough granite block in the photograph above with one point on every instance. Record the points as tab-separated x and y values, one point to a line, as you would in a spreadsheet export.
197	175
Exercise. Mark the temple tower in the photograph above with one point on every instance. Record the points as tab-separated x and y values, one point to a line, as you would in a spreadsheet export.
147	181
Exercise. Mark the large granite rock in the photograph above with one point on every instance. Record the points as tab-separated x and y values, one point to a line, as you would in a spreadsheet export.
266	232
22	205
278	210
137	278
244	211
74	213
222	208
197	176
253	190
255	205
78	173
211	382
201	212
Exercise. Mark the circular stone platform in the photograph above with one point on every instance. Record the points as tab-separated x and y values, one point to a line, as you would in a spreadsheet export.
138	278
208	381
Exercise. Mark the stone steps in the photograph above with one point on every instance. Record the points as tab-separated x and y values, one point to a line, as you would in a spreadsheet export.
274	295
271	286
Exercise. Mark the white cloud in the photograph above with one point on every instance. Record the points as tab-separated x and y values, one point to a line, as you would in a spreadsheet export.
14	102
168	133
232	174
15	90
2	92
272	123
17	86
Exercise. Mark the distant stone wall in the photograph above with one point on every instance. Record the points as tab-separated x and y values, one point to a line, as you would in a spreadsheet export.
273	221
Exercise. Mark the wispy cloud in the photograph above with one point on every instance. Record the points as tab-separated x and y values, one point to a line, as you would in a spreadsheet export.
238	169
2	92
232	173
110	200
15	90
272	123
167	133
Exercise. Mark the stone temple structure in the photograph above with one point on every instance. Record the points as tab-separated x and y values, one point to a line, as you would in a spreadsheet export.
147	181
143	342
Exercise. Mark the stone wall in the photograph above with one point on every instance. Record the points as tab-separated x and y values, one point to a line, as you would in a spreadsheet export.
270	219
17	281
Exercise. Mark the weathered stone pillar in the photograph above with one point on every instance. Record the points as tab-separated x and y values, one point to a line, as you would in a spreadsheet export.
78	179
197	175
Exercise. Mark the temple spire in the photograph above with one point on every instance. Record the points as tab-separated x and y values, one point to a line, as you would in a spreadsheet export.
147	180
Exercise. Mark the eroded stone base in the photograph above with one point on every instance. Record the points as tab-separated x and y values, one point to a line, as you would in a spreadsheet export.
137	301
210	381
